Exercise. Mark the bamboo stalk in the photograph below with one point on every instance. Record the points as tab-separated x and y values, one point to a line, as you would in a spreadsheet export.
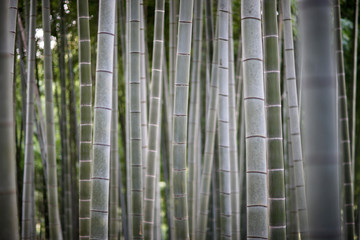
255	121
180	111
9	213
85	157
277	217
153	154
102	121
320	121
345	146
52	190
193	117
28	197
136	163
294	123
114	152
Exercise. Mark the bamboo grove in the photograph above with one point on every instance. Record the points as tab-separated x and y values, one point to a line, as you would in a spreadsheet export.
179	119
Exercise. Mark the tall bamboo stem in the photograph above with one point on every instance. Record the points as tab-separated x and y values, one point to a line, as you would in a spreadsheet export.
102	121
52	190
255	121
179	125
28	197
9	213
153	154
277	217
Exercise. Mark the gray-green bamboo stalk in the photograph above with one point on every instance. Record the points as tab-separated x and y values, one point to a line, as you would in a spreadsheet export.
179	125
320	120
52	190
136	163
223	123
114	152
28	197
294	123
207	171
8	199
234	160
153	155
143	86
255	121
277	217
85	157
345	145
102	121
194	118
356	39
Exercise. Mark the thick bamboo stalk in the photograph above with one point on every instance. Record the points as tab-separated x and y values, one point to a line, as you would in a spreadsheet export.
193	130
85	157
320	121
102	121
180	111
153	154
277	217
9	213
345	145
114	152
255	121
136	163
28	197
173	12
294	123
52	190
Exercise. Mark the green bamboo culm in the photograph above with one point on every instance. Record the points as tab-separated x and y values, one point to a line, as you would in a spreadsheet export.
207	171
277	217
293	111
136	163
193	130
153	158
223	122
9	213
85	156
52	190
255	121
345	146
28	198
179	125
114	148
320	121
102	121
234	160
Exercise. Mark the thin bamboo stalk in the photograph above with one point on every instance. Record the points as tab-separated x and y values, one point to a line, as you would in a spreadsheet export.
9	213
212	113
85	157
153	155
52	190
356	39
114	152
345	145
102	121
255	121
194	117
28	200
293	111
